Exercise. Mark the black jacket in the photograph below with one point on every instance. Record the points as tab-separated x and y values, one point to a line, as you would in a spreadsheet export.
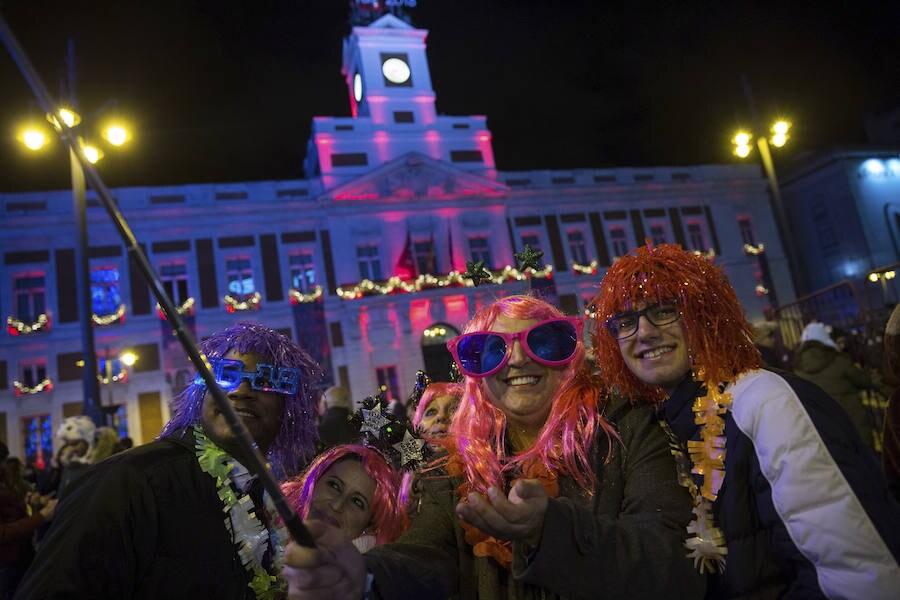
145	523
803	507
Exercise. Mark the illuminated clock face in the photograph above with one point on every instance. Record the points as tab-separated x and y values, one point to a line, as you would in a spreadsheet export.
357	87
395	70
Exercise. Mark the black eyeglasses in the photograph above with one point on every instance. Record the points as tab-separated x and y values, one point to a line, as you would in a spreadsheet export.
483	353
625	325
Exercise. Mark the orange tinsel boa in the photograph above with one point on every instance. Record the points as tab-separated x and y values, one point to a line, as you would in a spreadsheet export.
486	545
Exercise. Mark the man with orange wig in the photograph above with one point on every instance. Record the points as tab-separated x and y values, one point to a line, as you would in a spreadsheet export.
786	499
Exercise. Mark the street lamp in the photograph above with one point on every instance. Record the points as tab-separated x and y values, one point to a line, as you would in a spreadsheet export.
778	137
35	139
128	359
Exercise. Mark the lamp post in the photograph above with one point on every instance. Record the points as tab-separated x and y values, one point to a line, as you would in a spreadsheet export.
116	135
778	136
126	358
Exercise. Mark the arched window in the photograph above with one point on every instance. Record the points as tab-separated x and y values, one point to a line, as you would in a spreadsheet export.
434	350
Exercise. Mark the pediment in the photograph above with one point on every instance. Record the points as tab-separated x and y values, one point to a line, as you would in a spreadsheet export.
415	175
389	21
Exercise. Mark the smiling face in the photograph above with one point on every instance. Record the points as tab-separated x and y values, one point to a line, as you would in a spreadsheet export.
523	389
436	418
657	355
342	498
260	412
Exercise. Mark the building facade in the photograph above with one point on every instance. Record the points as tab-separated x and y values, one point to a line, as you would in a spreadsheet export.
360	261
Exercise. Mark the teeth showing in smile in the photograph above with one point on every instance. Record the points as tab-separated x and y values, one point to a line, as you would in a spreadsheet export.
243	412
656	352
524	380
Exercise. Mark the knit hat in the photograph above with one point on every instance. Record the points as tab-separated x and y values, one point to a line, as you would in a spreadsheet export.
818	332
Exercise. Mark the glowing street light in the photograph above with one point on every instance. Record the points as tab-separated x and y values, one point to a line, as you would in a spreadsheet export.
35	139
778	138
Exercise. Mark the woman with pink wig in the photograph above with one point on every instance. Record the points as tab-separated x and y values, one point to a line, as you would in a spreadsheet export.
353	489
551	489
435	410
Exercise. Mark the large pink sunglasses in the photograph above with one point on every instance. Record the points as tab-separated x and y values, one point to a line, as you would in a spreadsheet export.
482	353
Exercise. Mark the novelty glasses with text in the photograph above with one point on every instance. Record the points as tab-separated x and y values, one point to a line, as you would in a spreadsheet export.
267	378
483	353
625	324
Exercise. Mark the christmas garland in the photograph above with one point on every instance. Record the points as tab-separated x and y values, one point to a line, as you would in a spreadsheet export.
243	525
707	456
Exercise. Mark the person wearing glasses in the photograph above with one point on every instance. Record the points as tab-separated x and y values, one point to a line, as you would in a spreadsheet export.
181	516
551	489
787	501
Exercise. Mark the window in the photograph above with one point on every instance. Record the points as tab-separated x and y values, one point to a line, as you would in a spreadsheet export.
32	374
424	256
105	296
175	281
746	227
577	246
658	233
387	379
302	271
240	277
533	240
112	368
37	431
695	233
619	240
29	296
480	251
367	256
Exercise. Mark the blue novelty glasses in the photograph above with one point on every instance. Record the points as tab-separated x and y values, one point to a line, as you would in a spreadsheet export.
230	373
483	353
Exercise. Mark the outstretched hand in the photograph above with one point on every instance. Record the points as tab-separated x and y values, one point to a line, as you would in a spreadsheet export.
518	517
333	570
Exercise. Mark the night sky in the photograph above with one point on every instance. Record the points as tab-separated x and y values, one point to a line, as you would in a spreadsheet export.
226	90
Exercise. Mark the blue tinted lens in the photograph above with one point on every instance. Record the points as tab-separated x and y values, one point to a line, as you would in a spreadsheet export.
554	341
480	352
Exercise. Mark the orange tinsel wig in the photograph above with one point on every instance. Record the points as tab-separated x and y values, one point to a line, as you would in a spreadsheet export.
720	340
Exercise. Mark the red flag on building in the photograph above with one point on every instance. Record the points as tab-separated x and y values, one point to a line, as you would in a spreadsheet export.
450	248
431	262
406	264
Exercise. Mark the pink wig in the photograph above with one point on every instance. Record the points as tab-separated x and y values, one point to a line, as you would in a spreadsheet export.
434	390
720	340
388	513
564	442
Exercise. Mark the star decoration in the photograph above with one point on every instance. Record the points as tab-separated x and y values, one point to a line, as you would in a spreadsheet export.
529	258
476	272
373	420
410	449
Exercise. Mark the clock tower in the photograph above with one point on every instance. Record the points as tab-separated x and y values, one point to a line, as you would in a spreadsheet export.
392	107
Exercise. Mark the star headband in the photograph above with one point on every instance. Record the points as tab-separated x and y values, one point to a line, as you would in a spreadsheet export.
267	378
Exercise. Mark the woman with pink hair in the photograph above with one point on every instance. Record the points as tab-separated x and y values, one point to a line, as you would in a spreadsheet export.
551	487
353	489
435	410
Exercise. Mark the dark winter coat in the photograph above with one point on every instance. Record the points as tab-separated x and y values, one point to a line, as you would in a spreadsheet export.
834	372
803	506
626	541
145	523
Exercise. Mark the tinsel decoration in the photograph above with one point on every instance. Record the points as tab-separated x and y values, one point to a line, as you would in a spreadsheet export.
455	375
16	327
118	315
232	304
298	297
22	390
529	258
426	281
186	309
245	527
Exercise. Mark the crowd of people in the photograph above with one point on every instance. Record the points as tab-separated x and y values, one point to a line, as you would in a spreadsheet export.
672	463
